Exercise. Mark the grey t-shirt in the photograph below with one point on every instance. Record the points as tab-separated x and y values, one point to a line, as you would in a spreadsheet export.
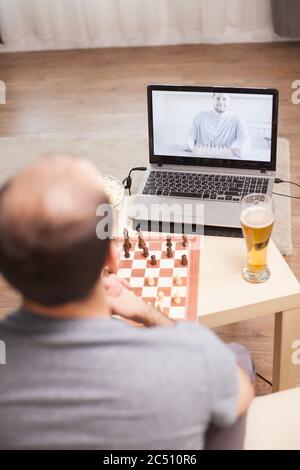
100	383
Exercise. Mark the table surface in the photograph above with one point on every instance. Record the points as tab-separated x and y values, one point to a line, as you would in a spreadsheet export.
225	297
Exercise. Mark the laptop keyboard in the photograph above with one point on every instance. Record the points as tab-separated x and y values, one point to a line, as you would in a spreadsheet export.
204	185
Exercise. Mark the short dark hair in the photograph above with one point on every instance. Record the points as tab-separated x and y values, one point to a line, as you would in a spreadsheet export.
52	264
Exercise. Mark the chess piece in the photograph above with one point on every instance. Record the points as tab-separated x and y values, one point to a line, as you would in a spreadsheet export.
150	281
145	252
169	252
127	243
169	241
177	280
141	244
153	261
126	253
184	240
160	301
184	260
176	298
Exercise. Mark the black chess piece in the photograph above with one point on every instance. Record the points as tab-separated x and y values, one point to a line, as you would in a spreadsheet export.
153	260
145	251
169	252
169	241
184	260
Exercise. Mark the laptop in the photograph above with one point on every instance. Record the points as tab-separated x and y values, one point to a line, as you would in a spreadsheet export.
208	147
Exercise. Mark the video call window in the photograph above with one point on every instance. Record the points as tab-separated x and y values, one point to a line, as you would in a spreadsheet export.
232	126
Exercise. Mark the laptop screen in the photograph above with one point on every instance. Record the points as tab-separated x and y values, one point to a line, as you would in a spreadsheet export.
216	127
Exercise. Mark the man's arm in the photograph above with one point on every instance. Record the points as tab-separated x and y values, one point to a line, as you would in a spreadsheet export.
246	391
242	141
192	136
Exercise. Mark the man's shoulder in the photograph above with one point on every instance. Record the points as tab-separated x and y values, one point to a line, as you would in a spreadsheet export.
236	118
202	115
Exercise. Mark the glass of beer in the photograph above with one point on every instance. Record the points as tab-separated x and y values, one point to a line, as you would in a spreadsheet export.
257	219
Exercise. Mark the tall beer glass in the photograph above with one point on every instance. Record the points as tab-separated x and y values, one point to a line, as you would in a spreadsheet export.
257	219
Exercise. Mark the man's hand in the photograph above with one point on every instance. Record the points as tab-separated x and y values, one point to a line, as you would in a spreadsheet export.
125	303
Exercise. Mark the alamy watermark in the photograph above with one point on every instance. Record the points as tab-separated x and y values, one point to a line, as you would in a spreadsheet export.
296	94
2	92
2	353
161	218
296	353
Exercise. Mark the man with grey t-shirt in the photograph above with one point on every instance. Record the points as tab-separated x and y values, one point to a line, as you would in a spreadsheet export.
76	377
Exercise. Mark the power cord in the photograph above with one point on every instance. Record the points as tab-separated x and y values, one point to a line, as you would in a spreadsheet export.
279	180
127	182
264	379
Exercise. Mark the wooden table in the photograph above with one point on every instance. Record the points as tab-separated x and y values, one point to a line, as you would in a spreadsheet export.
225	297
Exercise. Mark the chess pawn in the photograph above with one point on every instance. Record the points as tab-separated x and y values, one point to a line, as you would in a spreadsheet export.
145	252
150	281
153	261
177	280
169	252
176	298
184	260
184	240
169	241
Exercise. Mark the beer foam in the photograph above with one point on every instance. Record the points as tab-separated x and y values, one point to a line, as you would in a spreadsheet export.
257	216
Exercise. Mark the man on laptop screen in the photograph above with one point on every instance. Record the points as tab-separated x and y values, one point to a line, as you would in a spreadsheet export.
219	127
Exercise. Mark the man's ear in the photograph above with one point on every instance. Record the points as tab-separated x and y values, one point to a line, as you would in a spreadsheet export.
112	260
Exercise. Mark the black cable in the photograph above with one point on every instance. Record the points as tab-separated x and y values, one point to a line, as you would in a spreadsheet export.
127	182
279	180
264	379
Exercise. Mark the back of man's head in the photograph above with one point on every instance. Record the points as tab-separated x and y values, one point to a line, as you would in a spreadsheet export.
49	250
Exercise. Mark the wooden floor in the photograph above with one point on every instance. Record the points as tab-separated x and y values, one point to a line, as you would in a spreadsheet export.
103	91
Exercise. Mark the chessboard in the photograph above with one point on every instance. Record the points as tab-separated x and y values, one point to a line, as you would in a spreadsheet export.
165	273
